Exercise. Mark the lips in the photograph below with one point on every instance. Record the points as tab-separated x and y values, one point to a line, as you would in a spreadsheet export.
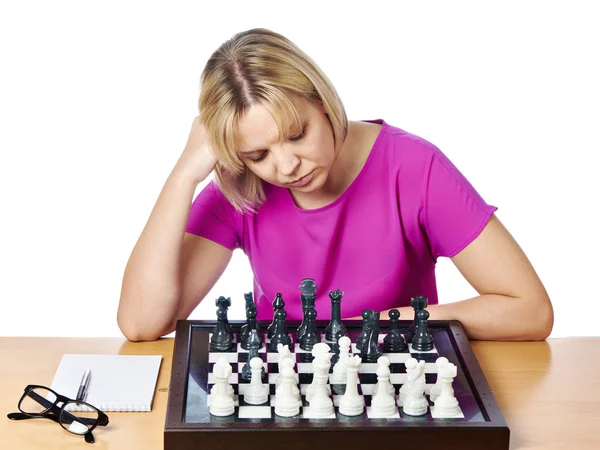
302	181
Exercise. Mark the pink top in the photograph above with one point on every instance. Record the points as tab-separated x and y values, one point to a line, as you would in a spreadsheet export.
378	242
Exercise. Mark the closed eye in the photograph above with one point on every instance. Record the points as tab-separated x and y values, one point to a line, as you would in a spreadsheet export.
263	155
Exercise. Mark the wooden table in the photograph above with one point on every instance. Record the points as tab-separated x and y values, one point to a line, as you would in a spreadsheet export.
549	392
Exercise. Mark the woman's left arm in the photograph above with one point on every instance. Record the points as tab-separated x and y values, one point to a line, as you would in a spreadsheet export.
512	303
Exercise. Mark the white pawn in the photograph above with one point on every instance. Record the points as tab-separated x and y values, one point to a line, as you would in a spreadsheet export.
385	382
222	362
256	393
352	403
416	404
339	374
284	353
446	404
221	403
287	403
383	404
437	387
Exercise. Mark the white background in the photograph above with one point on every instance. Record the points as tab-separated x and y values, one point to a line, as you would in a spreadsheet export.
97	98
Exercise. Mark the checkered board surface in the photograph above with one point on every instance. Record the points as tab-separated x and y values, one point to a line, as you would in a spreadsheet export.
237	357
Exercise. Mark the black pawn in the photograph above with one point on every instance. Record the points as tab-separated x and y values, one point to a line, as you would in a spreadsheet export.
280	334
422	340
394	342
222	337
362	337
255	343
277	305
335	324
310	336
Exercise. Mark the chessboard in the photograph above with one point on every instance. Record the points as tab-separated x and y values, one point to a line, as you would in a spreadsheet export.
189	422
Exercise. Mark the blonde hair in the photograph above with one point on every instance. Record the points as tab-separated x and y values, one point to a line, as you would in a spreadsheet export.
262	67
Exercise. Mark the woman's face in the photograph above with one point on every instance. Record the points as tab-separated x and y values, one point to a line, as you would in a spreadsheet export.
303	162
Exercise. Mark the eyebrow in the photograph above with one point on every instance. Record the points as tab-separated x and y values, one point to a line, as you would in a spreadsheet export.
262	149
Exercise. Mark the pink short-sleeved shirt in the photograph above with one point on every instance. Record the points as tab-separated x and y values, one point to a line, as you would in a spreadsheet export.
378	242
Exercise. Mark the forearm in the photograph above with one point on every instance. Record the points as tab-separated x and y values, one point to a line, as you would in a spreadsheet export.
150	290
494	317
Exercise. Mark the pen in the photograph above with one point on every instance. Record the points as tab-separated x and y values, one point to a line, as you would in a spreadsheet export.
83	386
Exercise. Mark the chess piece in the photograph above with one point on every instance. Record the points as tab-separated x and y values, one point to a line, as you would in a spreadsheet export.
335	324
251	323
422	340
415	403
310	336
411	365
287	403
370	350
394	342
382	363
321	355
340	371
383	404
351	403
254	342
446	405
222	337
283	364
418	303
222	361
437	387
221	403
308	298
362	337
256	393
321	404
280	332
278	304
283	353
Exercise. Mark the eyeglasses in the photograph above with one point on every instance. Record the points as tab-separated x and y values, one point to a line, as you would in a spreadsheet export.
76	417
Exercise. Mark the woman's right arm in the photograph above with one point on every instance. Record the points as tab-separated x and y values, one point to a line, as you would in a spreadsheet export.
170	271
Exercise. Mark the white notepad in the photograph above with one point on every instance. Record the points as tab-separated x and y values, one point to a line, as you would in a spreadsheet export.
123	383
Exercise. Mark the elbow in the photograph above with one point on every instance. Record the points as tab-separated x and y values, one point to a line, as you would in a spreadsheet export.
138	332
542	323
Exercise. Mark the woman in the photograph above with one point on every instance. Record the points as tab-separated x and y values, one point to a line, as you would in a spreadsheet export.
360	206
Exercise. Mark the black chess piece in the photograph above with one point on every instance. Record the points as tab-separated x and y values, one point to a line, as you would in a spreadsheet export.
254	343
335	347
310	336
362	337
222	337
335	323
278	304
422	340
370	350
418	303
308	298
248	327
394	342
280	334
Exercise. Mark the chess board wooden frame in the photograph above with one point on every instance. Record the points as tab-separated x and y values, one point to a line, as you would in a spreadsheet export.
492	434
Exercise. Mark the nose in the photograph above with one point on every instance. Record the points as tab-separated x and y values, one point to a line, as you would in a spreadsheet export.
287	161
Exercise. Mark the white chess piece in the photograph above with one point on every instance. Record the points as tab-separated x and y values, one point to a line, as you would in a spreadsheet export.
437	387
446	404
384	360
287	403
221	403
222	361
257	392
284	353
352	403
339	374
415	403
383	404
321	352
289	362
411	365
321	404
